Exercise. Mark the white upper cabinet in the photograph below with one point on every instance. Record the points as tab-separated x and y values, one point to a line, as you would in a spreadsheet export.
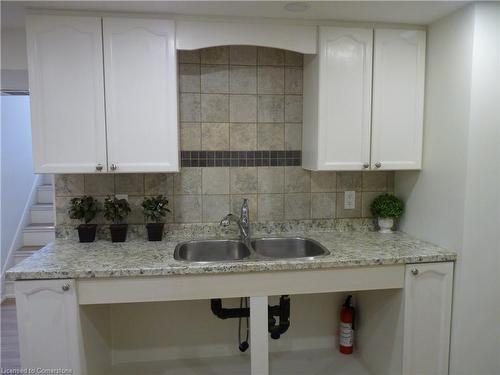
140	64
67	95
337	95
398	99
348	125
103	100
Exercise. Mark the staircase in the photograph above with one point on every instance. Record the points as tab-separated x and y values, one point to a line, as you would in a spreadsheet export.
41	229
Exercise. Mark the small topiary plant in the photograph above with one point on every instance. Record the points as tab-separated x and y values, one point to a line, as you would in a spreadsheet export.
155	209
86	209
387	205
116	210
386	208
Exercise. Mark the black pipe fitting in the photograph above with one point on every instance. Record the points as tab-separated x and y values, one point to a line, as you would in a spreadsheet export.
283	312
223	313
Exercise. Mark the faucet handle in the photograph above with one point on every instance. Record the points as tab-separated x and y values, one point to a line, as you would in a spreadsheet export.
226	220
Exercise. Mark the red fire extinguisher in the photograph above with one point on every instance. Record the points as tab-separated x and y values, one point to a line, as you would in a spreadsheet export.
346	332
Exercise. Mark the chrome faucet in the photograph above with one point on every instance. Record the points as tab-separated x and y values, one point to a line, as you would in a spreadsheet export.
243	222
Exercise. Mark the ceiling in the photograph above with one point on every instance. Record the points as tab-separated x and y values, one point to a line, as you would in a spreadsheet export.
406	12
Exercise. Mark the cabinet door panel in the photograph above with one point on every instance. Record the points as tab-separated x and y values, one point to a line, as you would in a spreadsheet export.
345	97
67	93
141	94
428	296
398	99
48	323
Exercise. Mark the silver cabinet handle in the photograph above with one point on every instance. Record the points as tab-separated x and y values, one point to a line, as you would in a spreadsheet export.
366	165
414	272
113	167
65	287
378	164
98	167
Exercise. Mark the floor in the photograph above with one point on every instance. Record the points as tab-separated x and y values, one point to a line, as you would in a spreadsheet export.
310	362
10	340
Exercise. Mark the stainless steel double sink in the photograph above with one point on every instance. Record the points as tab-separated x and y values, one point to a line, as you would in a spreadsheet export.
201	251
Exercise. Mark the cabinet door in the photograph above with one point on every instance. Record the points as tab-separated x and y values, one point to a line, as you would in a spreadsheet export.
428	297
398	99
67	93
345	76
48	324
141	94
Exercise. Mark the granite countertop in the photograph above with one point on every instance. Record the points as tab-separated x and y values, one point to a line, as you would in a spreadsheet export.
103	259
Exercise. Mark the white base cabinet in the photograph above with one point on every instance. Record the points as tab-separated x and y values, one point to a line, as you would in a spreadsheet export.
49	325
428	297
67	323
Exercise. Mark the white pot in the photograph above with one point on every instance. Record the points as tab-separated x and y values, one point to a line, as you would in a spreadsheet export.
385	224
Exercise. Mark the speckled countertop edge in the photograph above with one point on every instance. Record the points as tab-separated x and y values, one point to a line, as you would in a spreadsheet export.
102	259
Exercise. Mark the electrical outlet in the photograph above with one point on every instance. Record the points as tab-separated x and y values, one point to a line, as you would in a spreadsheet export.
122	196
349	200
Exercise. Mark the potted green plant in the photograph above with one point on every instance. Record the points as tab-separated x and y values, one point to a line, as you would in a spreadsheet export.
116	210
85	208
386	208
155	209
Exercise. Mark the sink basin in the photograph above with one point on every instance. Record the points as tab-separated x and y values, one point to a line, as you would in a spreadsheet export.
211	251
288	248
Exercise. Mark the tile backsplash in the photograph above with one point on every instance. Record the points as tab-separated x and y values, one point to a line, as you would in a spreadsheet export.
240	98
204	195
240	121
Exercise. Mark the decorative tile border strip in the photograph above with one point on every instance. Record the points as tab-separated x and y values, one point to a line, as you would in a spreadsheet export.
241	158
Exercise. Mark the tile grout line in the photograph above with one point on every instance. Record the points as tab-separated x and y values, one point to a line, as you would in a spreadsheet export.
257	122
201	200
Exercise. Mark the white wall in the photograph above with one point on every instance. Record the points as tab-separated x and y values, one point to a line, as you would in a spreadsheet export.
481	242
453	201
439	188
14	46
14	61
17	176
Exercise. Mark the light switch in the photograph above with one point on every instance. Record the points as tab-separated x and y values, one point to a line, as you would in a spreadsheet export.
349	200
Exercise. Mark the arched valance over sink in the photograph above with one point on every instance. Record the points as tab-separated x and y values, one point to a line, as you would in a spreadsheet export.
194	35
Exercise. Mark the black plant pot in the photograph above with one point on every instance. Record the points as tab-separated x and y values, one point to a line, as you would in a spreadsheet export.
118	232
155	231
86	232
